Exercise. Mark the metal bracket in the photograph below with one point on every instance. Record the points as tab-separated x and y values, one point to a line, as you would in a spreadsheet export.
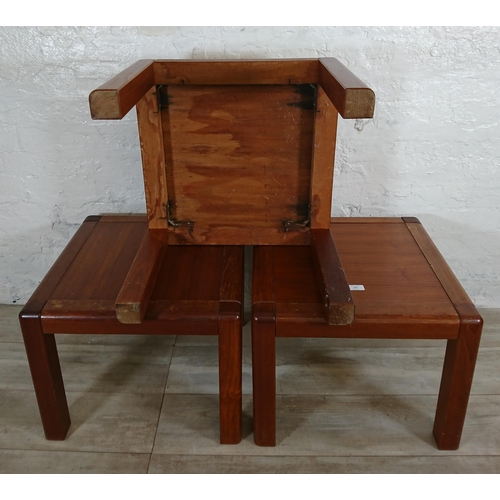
294	225
160	101
178	223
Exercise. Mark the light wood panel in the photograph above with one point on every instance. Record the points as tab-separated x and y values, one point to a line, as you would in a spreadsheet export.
240	155
153	159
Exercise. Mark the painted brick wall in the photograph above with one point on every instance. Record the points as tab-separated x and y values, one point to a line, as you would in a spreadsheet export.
431	151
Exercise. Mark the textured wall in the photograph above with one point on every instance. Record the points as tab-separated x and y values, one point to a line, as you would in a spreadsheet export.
431	151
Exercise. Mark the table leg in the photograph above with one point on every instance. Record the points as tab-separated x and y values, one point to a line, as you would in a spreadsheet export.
264	373
456	382
46	374
230	372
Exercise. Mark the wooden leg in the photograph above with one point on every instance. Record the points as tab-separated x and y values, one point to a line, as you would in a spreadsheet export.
456	382
230	372
264	373
46	373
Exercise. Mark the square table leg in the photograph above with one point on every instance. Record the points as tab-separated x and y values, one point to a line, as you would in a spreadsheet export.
264	373
46	374
456	383
230	372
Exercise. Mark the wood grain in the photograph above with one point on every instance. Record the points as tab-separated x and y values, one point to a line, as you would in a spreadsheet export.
41	348
133	297
263	274
163	317
325	136
190	273
233	274
409	293
236	72
461	353
230	370
402	295
102	262
232	235
352	97
264	373
335	293
115	98
240	155
80	293
153	159
442	270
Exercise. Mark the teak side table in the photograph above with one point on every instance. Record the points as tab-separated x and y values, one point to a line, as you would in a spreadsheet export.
237	153
198	291
407	292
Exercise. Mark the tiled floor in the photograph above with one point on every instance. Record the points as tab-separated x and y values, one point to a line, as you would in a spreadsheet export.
149	404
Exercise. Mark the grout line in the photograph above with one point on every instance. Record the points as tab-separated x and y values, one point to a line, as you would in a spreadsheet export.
46	450
161	405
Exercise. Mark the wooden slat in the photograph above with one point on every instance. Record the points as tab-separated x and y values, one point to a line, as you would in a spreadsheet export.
133	298
263	274
163	317
236	72
349	94
115	98
153	159
102	264
308	320
233	274
449	281
202	235
49	283
190	273
325	136
337	299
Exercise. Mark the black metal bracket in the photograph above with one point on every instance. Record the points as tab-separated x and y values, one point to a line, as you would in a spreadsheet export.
178	223
294	225
160	99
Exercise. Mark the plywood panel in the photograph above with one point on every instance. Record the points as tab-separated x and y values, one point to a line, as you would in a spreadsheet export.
238	156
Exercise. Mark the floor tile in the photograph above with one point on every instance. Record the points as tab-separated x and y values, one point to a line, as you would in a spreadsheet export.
235	464
67	462
329	426
116	422
344	406
491	327
358	370
195	370
211	340
97	368
14	369
103	368
313	370
189	424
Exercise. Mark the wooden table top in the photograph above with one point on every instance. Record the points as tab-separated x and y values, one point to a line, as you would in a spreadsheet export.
401	290
83	301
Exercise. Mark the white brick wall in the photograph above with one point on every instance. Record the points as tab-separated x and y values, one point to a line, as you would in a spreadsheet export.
431	151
